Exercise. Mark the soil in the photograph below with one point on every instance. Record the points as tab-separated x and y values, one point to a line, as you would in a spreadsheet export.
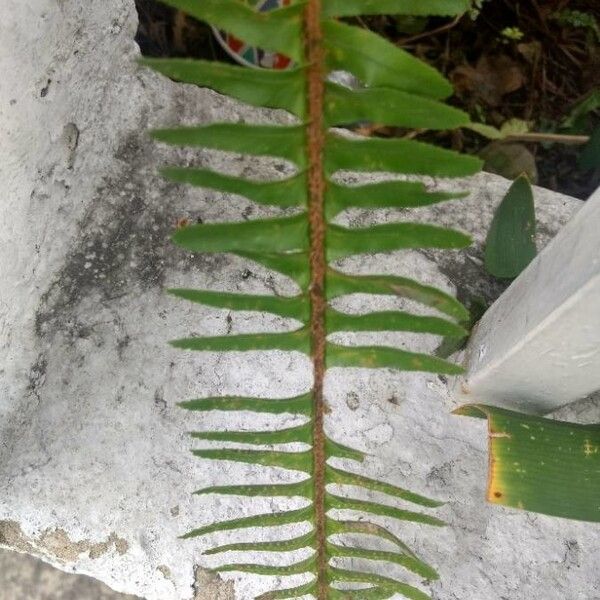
532	66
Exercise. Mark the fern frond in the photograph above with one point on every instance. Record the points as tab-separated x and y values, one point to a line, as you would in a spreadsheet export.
396	89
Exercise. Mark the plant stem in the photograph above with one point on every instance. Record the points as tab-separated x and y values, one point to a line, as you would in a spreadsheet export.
318	266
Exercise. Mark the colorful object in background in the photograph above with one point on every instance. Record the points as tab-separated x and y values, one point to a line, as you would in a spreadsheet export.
249	55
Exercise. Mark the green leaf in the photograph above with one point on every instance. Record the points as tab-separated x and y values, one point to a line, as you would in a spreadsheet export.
372	593
304	566
341	477
335	450
378	63
283	193
295	341
396	155
342	242
337	502
392	321
378	357
257	140
510	244
301	405
272	88
266	520
408	562
297	461
340	284
387	106
283	234
287	594
302	433
353	8
304	541
276	30
293	265
302	488
387	583
542	465
296	307
388	194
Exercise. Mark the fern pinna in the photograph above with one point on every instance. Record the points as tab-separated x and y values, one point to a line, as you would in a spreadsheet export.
398	90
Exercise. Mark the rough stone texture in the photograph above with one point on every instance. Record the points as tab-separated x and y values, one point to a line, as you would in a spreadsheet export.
95	471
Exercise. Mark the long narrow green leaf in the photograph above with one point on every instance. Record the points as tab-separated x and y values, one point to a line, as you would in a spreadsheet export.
301	405
304	566
301	488
284	234
378	63
378	357
387	583
392	321
372	593
542	465
257	140
283	193
296	307
288	594
335	450
426	8
340	284
293	265
297	461
387	194
302	434
272	88
345	478
276	30
387	106
396	155
304	541
295	341
383	510
265	520
408	562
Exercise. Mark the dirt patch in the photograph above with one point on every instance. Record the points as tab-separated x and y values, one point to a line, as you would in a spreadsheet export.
209	586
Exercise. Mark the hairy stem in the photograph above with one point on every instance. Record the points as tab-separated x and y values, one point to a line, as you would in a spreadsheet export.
316	142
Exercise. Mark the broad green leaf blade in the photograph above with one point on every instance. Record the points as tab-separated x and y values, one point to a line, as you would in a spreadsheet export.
293	265
388	194
342	242
293	341
387	106
302	433
378	357
408	562
366	528
276	30
296	307
374	508
302	489
304	566
392	321
378	63
510	244
283	193
265	520
426	8
301	405
288	594
284	234
271	88
335	450
340	284
345	478
396	155
296	461
304	541
542	465
257	140
387	583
